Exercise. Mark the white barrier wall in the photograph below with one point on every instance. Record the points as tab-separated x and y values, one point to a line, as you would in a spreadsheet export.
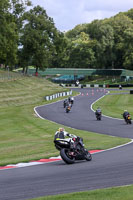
84	85
61	94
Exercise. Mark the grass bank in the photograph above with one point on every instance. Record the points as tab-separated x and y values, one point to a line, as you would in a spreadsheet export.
114	105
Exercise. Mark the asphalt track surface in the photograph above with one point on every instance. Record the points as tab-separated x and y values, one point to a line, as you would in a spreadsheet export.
107	169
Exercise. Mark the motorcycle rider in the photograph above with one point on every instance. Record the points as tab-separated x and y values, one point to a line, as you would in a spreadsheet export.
71	99
125	114
61	134
98	111
65	103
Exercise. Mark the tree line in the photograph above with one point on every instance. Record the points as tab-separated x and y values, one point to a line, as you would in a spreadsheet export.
28	36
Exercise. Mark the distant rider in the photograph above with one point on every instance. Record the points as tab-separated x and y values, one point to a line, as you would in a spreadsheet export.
98	111
71	100
125	114
65	103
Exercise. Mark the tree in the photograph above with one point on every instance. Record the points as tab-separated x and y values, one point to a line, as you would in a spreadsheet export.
17	9
104	47
120	23
128	48
74	33
8	35
81	54
59	57
38	38
10	13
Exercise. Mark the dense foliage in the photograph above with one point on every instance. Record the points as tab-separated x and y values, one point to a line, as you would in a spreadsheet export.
110	42
28	36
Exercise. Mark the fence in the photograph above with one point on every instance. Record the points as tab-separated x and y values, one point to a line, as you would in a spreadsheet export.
5	76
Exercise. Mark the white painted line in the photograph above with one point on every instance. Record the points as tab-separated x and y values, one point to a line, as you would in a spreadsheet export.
48	104
122	145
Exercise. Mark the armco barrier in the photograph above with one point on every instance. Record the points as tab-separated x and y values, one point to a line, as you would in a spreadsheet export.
61	94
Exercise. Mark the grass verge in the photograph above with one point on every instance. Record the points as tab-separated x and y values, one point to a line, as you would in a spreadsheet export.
114	105
117	193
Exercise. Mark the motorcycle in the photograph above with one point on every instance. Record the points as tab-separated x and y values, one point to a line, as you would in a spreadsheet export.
68	108
98	116
128	119
72	149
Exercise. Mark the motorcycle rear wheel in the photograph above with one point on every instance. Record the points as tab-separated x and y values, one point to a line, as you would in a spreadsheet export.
64	155
128	122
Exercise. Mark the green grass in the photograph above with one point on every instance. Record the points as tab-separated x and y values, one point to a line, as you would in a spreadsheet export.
117	193
114	105
119	91
24	136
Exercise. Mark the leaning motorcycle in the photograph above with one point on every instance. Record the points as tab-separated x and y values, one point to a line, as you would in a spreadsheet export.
68	108
72	149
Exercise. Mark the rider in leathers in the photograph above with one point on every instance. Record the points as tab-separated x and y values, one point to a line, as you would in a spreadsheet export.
125	114
61	134
98	111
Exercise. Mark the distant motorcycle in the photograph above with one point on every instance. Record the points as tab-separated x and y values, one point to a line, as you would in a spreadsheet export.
128	119
68	108
72	149
98	116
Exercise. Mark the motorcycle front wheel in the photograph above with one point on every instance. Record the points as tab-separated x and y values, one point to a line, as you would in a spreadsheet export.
88	156
66	157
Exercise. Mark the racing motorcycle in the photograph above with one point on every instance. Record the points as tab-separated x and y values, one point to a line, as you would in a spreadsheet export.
72	149
68	108
98	116
128	119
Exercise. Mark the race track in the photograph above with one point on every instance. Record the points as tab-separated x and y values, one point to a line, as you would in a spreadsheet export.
107	169
82	117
